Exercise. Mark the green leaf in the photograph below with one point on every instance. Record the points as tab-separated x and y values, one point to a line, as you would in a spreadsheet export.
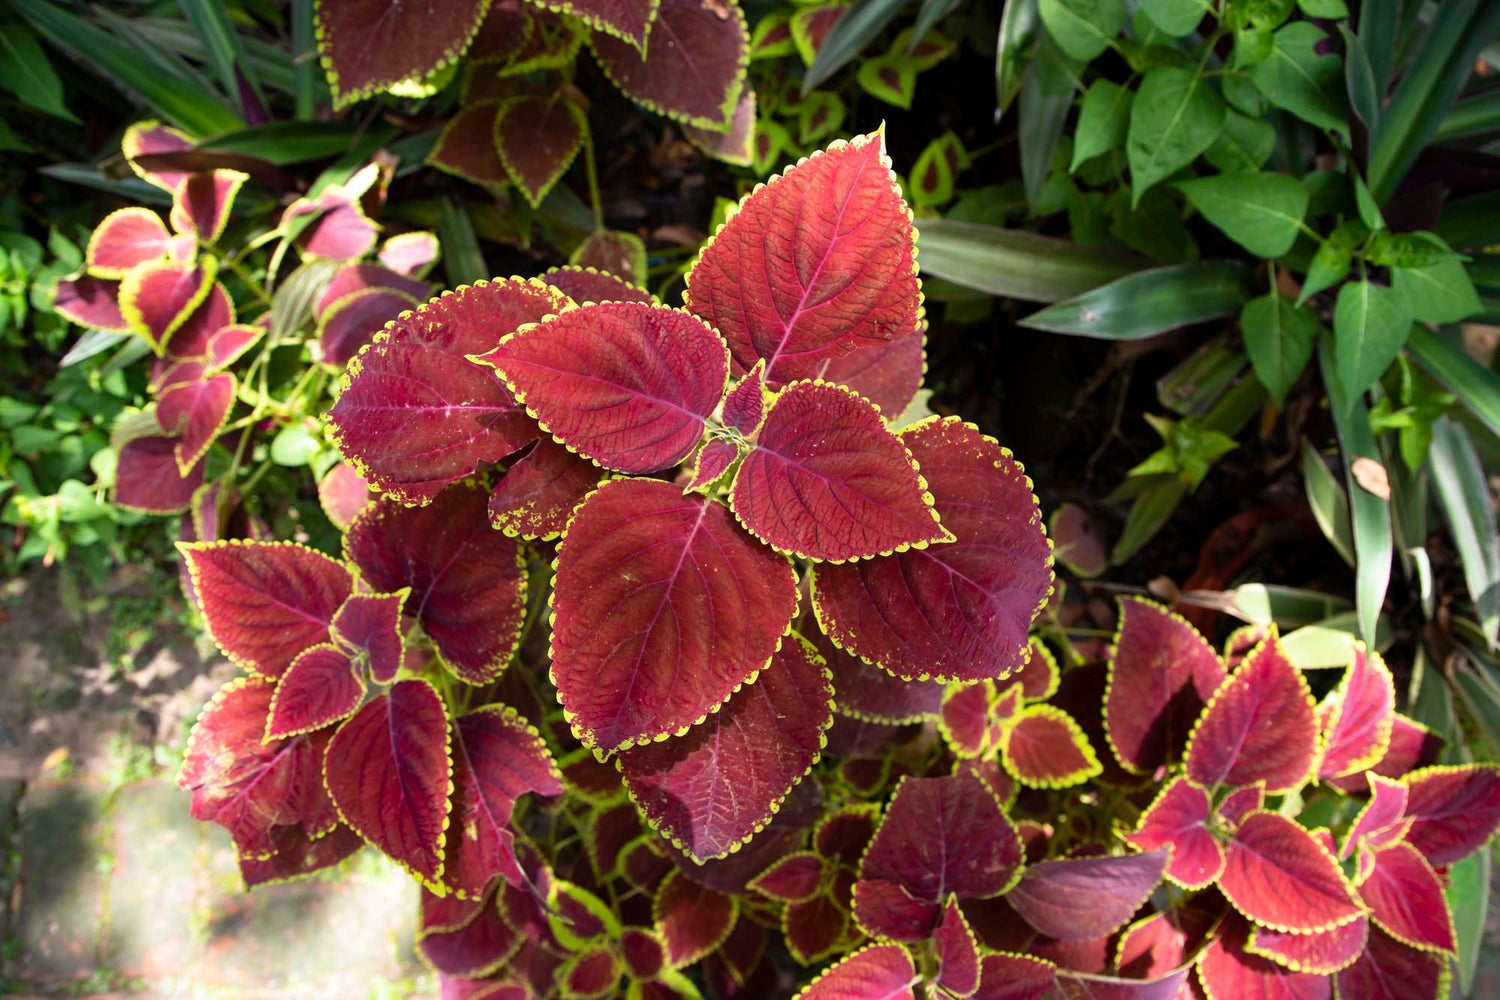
1438	293
931	178
1295	78
1175	17
294	445
282	143
1082	28
210	19
1279	337
1370	325
1329	502
1015	263
892	78
1471	222
1476	115
1464	494
1261	212
26	72
1359	77
1369	208
1476	386
1154	227
1244	146
848	37
306	72
931	13
1331	9
462	260
1174	118
1150	302
1331	261
1468	895
1102	119
1046	98
1013	50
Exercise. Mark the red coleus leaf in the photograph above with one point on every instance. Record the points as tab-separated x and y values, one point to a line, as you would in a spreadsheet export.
708	792
1228	972
957	611
298	855
869	693
474	947
1382	818
1321	954
1242	802
614	252
957	953
229	343
815	928
691	918
966	720
645	954
370	624
125	238
202	203
1076	899
663	606
886	910
466	148
537	139
195	411
1161	674
1390	970
1259	726
1279	875
339	229
737	145
388	771
827	480
1357	727
156	299
1454	810
195	337
1084	986
365	48
1015	977
844	834
343	493
352	321
538	493
497	758
586	284
467	580
800	295
265	602
629	20
692	66
410	253
1155	945
944	835
887	374
590	975
1406	899
1045	748
793	879
625	384
879	972
148	479
149	138
710	464
90	302
321	687
745	405
1179	819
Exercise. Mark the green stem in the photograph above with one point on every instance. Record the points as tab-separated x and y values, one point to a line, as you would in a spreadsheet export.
239	272
593	173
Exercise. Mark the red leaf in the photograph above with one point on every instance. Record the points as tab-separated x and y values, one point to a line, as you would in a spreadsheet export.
1242	802
149	138
1083	986
318	689
843	835
388	771
1076	899
693	64
195	411
1045	748
586	284
467	147
195	337
537	139
814	928
886	910
1259	726
629	20
1040	677
125	238
957	611
957	953
1179	819
1321	954
1362	713
366	48
1161	674
737	145
1389	970
468	581
352	321
474	948
590	975
663	607
339	230
156	299
827	480
297	855
1015	977
1278	875
745	405
801	295
869	693
1454	810
90	302
1381	818
343	493
793	879
708	792
148	479
202	203
644	953
966	720
539	492
412	253
887	374
265	602
1153	946
944	835
711	462
1406	899
1229	972
227	344
879	972
692	919
625	384
497	758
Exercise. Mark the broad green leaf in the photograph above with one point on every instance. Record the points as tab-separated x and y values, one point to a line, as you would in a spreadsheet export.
1175	17
1471	116
1438	293
1296	78
210	18
891	78
1046	99
1174	118
1013	50
1369	208
1329	502
1370	325
1015	263
1331	9
1476	386
1468	898
1279	337
462	259
294	445
1359	77
1154	227
1470	512
1331	261
1102	119
26	72
282	143
1329	644
1471	222
848	37
1244	146
931	12
1150	302
1082	28
1260	212
306	73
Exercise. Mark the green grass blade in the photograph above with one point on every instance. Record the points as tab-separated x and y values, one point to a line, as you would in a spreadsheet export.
1476	386
1146	303
1015	263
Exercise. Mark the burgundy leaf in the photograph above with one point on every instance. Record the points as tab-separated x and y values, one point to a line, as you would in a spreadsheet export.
539	492
149	138
613	252
586	284
298	855
887	374
1080	898
663	606
467	147
90	302
692	919
352	321
1389	970
195	411
202	203
1045	748
745	405
957	953
1179	819
1358	731
537	139
814	928
870	693
879	972
644	953
148	479
966	720
590	975
352	278
629	20
1229	972
1083	986
793	879
125	238
1321	954
473	949
1454	810
1381	819
229	343
343	493
371	624
886	910
156	299
710	464
692	67
1015	977
317	690
366	47
1242	802
737	145
843	834
195	337
1155	945
1278	875
1406	899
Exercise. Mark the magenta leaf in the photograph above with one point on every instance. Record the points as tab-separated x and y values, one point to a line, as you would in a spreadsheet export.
339	229
1357	732
1085	986
1390	970
1076	899
1454	810
366	48
592	974
1006	976
297	855
539	492
799	296
793	879
869	693
627	385
265	602
827	480
320	688
957	952
712	461
645	954
467	580
1242	802
1279	875
745	405
586	284
195	411
497	758
710	791
692	67
663	606
156	299
343	493
1161	674
537	139
388	772
966	720
691	918
887	374
1179	819
125	238
410	253
202	203
886	910
415	414
1259	726
352	278
370	625
467	148
352	321
149	138
1155	945
1227	970
879	972
90	302
1406	899
228	344
1381	819
194	338
148	479
956	611
475	947
1322	954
